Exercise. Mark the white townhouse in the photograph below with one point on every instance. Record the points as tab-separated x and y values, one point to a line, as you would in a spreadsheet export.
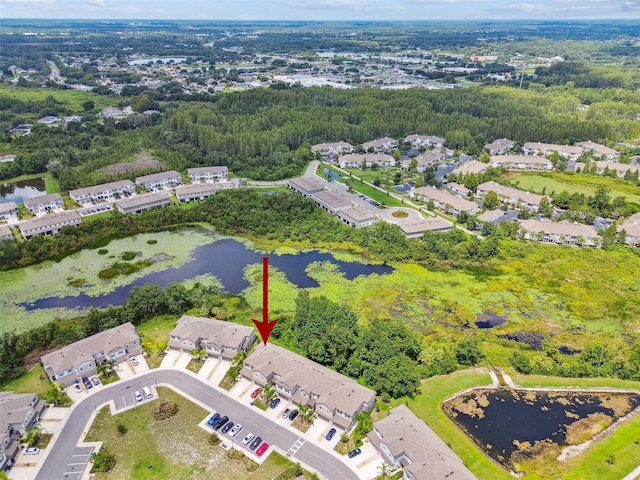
139	203
44	203
470	167
196	191
366	160
380	144
18	412
208	174
8	211
537	148
49	224
445	201
105	192
79	359
620	168
500	146
424	141
599	150
512	196
159	181
5	233
336	148
560	232
631	226
521	162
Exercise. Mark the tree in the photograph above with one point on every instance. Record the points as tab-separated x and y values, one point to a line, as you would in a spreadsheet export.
468	351
491	200
395	378
306	412
54	393
198	354
545	208
268	392
88	105
33	435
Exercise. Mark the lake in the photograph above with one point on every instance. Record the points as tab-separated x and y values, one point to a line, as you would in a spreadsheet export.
225	259
510	424
18	191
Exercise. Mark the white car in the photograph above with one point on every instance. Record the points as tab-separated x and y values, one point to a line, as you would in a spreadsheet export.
134	360
246	440
77	388
138	396
286	412
32	451
234	431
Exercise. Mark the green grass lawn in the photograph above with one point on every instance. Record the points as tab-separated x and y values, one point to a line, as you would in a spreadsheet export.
176	448
34	381
580	183
71	99
155	333
623	444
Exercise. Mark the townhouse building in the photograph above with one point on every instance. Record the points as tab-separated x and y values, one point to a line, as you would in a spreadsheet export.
44	203
106	192
8	211
512	196
160	181
140	203
208	174
559	232
417	228
49	224
521	162
444	200
18	412
196	191
366	160
336	148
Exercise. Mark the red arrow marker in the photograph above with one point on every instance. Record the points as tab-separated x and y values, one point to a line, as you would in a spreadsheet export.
265	326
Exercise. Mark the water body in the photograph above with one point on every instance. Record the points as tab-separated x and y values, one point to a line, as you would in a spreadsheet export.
489	320
226	259
499	420
18	191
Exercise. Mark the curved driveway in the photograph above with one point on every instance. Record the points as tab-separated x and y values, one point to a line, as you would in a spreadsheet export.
67	460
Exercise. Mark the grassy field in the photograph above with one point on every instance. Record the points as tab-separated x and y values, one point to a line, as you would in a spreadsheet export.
70	99
34	381
587	184
176	448
624	443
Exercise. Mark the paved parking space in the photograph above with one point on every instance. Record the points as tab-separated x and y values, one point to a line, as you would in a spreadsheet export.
175	359
243	388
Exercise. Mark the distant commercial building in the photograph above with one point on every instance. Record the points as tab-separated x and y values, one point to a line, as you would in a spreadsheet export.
357	217
208	174
305	186
49	224
104	192
331	201
80	359
139	203
44	203
158	181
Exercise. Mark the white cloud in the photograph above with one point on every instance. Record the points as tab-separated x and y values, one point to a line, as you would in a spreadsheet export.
96	3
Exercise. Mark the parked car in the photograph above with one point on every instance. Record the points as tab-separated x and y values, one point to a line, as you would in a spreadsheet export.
32	451
286	412
227	427
214	418
138	396
134	360
254	444
77	388
247	438
220	422
87	382
256	392
262	448
354	452
94	380
274	403
293	414
330	434
234	431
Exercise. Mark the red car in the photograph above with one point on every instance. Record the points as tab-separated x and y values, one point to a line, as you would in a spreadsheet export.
256	392
262	448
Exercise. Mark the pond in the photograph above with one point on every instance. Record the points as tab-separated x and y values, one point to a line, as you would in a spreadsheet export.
18	191
225	259
516	425
489	320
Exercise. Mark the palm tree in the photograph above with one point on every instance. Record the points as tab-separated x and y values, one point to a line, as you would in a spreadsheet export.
106	368
268	392
33	435
198	354
306	412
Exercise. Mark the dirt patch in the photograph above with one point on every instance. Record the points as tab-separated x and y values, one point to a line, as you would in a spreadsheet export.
620	405
582	430
469	407
143	162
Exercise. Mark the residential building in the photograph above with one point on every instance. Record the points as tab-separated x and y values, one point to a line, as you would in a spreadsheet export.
631	226
499	146
44	203
470	167
491	215
424	141
139	203
357	217
445	201
417	228
512	196
620	168
8	211
336	148
49	120
427	159
24	129
536	148
49	224
196	191
458	189
79	359
218	338
18	412
5	233
158	181
331	201
521	162
105	192
208	174
560	232
335	397
305	186
380	144
602	151
405	441
366	160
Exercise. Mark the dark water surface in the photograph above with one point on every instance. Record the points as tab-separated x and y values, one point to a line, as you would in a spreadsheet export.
505	415
226	259
18	191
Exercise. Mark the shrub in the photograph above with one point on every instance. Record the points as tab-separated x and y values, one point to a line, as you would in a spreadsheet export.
103	460
103	251
128	256
77	282
214	439
122	429
165	410
152	242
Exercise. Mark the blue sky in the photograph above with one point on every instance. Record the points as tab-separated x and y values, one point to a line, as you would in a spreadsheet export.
323	9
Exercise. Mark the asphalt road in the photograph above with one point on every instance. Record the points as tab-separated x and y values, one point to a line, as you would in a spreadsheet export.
67	461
